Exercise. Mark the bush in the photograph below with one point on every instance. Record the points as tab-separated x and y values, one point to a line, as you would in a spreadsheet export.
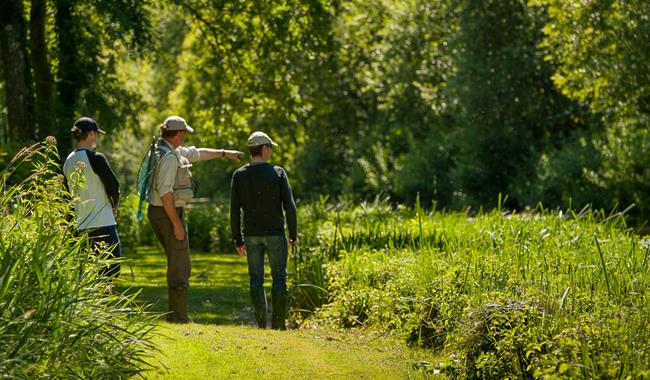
496	295
209	227
133	232
58	317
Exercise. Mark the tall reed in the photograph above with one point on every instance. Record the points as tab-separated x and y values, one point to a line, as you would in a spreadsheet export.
58	316
498	294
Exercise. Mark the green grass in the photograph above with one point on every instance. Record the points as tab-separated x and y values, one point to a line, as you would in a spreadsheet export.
222	342
495	295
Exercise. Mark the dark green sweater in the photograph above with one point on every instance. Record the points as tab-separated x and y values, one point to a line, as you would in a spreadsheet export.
262	192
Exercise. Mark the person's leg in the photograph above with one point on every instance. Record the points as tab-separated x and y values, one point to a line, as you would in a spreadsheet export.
113	242
178	261
278	253
255	258
107	238
180	269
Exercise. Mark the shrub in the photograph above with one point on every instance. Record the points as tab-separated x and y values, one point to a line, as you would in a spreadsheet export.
494	338
58	317
133	232
209	227
538	295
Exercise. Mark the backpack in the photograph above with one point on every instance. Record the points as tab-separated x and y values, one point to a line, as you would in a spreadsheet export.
146	173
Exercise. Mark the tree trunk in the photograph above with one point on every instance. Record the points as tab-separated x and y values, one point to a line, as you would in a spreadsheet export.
42	75
18	90
68	73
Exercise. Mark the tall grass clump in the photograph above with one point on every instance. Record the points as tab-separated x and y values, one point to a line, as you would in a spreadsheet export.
545	294
58	317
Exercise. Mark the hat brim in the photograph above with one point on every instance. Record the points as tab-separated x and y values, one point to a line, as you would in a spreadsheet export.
188	128
101	131
273	143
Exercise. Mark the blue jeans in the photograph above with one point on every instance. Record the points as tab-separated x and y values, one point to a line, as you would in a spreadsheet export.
107	235
278	250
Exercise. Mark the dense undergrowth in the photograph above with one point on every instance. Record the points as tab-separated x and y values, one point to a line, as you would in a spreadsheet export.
540	294
58	317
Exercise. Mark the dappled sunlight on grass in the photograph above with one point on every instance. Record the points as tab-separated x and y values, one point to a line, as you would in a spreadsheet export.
218	285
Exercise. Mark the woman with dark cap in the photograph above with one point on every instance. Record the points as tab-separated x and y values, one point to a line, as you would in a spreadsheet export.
95	191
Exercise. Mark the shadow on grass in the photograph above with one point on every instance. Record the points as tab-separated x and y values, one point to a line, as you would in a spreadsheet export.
218	291
226	305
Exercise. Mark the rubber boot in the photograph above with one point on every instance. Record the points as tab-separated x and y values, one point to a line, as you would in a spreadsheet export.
181	305
171	302
178	306
280	308
259	306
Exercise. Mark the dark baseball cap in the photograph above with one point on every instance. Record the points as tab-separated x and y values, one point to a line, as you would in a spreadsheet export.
86	124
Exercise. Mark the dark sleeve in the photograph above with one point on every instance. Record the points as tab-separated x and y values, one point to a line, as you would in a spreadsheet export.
100	165
289	207
235	212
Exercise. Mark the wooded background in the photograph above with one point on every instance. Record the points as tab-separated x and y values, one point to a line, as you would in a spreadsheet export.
547	101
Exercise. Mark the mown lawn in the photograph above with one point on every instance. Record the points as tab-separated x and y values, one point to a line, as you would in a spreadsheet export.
222	342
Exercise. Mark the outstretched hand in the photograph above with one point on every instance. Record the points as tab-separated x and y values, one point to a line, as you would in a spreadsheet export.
233	155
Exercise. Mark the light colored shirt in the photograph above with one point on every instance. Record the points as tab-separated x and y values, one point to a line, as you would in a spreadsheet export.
91	203
166	171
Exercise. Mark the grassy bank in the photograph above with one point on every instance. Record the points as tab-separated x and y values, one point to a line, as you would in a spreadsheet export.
494	294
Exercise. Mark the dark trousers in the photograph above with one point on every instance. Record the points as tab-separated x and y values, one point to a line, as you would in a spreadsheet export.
177	251
108	237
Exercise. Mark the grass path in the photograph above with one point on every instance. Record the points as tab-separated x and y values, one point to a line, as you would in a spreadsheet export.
223	344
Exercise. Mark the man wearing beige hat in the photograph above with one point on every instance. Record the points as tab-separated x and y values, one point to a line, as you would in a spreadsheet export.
262	192
171	189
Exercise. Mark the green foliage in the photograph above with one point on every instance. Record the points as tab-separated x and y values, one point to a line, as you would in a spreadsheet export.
602	53
507	102
602	57
86	80
59	318
209	227
568	177
133	232
543	100
531	295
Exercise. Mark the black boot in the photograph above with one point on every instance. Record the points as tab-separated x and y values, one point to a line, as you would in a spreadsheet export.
280	309
259	305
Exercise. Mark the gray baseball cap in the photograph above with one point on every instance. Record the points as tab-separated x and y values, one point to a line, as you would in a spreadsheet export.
260	138
176	123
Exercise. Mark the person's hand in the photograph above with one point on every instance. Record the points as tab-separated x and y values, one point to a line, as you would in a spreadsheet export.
233	155
241	250
179	232
115	213
293	241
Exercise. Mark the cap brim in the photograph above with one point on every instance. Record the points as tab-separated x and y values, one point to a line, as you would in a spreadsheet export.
188	128
274	144
101	131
